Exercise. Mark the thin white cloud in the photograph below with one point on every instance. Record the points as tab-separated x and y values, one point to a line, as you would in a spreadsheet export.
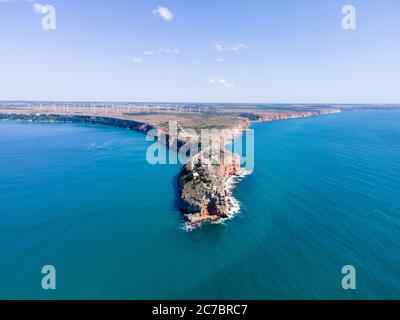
220	60
161	51
169	51
149	53
164	13
30	1
38	8
237	48
220	82
134	60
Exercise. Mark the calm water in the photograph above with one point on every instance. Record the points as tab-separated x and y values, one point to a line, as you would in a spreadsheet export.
325	193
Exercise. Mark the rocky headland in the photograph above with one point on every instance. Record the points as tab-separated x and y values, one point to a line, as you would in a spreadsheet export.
206	182
204	187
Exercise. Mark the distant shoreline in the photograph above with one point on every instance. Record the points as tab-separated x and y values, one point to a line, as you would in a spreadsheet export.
197	207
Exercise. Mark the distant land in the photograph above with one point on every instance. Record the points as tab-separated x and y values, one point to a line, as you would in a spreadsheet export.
190	115
204	188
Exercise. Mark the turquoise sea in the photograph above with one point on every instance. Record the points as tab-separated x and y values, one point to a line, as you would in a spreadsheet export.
325	193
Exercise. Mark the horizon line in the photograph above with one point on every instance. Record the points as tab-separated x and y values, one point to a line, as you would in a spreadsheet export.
204	102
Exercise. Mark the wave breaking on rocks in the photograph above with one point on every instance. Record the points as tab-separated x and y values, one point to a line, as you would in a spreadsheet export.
206	186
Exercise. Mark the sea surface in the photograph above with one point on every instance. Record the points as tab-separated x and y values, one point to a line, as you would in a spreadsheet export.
325	193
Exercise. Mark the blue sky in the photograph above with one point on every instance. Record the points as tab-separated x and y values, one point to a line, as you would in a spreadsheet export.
288	51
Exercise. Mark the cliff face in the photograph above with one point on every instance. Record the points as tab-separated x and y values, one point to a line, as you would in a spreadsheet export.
295	115
204	192
115	122
205	195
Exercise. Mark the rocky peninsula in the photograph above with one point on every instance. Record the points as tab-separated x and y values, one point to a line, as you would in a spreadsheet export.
205	182
205	193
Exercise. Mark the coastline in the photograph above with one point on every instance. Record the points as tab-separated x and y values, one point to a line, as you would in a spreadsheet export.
232	181
230	185
266	221
214	201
